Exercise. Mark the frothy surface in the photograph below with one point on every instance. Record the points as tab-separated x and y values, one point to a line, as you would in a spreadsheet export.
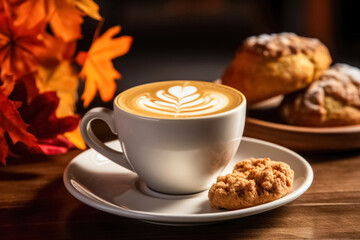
179	99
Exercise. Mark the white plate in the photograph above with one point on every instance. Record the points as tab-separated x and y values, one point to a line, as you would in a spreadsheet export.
102	184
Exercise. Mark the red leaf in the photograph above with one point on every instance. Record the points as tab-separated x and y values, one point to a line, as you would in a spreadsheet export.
56	145
12	124
30	89
7	85
40	115
4	149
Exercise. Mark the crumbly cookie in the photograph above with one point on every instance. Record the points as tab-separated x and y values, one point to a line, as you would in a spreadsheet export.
332	100
253	182
270	65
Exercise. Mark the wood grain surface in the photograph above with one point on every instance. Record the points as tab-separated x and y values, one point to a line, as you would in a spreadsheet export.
34	204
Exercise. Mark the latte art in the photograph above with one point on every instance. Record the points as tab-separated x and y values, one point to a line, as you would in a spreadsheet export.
183	101
179	99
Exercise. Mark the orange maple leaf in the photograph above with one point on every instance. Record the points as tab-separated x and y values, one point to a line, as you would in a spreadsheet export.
63	15
12	124
28	13
98	69
56	50
17	49
65	19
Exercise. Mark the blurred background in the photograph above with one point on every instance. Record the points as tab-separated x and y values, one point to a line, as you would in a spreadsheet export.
197	39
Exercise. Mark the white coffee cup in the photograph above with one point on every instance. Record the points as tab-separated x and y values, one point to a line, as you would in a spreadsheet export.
172	156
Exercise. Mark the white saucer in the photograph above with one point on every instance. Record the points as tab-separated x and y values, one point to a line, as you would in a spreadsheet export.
102	184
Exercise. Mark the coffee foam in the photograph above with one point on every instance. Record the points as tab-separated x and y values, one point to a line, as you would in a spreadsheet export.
179	99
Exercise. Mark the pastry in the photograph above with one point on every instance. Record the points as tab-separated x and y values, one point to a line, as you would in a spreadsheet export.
332	100
269	65
253	182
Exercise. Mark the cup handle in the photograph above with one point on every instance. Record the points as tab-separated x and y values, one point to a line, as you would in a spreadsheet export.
87	133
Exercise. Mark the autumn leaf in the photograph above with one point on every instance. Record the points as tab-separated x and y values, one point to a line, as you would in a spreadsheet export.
17	49
4	148
39	113
65	19
12	124
41	117
98	69
28	82
7	85
62	79
76	138
55	51
88	7
28	13
57	145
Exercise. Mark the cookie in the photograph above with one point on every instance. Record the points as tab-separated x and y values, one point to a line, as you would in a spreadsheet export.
252	182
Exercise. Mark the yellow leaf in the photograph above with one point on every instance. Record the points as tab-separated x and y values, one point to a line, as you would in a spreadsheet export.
89	7
76	138
62	79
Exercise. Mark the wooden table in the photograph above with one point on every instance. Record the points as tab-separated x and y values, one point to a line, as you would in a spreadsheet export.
34	204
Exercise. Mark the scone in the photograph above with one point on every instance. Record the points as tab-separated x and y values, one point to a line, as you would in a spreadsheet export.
269	65
253	182
332	100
